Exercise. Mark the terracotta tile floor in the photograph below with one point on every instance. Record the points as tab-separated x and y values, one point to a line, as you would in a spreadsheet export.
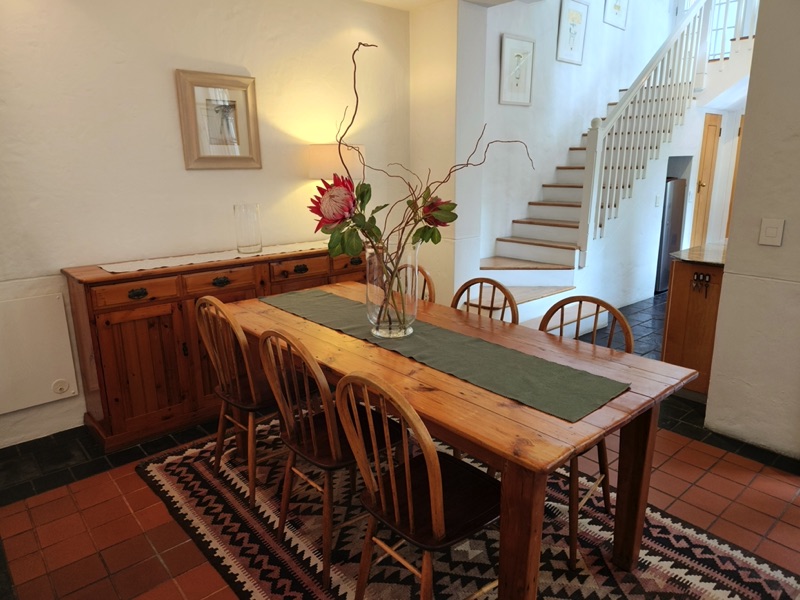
109	536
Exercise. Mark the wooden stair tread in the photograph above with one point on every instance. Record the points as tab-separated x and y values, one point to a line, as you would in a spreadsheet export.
504	263
548	222
534	242
524	294
571	168
556	203
575	186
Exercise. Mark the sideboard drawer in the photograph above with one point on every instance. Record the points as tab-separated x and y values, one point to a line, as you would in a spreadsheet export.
284	270
346	264
214	281
144	291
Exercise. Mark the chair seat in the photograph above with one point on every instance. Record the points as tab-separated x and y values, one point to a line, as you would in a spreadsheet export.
471	502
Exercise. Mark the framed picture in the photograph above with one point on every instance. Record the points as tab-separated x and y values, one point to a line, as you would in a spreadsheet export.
516	70
219	124
572	31
616	13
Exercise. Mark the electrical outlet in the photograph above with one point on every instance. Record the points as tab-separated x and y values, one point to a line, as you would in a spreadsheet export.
771	233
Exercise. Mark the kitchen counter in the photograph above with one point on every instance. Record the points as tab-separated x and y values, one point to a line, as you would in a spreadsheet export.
710	254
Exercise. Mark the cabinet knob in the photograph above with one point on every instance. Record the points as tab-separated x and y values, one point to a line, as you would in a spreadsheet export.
355	261
301	268
220	282
137	293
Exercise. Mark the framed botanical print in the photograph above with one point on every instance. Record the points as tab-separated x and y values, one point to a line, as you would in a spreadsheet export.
572	31
219	124
516	70
616	13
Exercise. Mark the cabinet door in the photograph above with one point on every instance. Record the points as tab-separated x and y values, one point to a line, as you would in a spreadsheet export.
145	367
691	321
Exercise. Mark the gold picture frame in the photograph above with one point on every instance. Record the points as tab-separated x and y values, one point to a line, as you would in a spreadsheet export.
219	121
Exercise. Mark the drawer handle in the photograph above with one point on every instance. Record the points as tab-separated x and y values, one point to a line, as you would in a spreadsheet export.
220	282
300	268
137	293
355	261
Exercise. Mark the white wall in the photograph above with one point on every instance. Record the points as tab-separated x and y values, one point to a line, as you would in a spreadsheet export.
91	163
754	393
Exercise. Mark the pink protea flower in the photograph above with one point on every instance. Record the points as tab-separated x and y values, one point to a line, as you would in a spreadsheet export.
433	211
336	202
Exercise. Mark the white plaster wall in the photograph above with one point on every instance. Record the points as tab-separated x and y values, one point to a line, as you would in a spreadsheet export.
754	393
91	163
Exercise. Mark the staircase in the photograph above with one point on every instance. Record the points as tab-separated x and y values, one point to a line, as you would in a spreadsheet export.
538	260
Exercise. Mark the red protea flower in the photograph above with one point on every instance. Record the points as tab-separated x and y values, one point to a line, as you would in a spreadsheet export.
438	212
336	202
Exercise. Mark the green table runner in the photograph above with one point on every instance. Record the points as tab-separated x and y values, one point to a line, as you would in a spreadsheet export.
561	391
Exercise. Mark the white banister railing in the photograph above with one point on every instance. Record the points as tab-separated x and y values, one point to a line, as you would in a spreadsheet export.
619	147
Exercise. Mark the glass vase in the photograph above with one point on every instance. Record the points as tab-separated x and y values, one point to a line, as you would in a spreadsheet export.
392	288
247	218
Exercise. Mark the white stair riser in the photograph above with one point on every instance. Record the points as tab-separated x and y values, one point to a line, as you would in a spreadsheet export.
545	232
570	176
543	254
556	213
576	158
527	277
558	194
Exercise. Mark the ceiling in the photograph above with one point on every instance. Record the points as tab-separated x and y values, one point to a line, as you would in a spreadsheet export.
412	4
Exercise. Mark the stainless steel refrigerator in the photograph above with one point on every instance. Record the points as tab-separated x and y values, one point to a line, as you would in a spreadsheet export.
671	229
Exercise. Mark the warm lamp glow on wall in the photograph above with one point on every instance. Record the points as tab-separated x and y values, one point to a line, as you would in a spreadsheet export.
323	160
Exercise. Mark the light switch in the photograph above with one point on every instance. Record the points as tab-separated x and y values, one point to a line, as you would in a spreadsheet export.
771	232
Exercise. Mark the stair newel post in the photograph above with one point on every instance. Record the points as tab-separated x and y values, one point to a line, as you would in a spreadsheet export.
591	202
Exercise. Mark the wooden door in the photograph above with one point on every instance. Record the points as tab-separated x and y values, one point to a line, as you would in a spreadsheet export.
735	171
145	367
712	129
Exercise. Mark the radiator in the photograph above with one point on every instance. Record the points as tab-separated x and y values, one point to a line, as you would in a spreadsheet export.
36	363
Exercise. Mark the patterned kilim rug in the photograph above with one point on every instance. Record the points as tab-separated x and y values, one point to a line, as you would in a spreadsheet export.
676	561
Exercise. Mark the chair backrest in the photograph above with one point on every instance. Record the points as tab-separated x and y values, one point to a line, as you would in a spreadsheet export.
570	312
228	351
483	295
425	287
301	391
393	493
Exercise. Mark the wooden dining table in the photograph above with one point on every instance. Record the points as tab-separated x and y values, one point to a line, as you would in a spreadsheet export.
523	443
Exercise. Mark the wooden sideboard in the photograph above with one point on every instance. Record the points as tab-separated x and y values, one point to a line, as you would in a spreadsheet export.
143	367
691	320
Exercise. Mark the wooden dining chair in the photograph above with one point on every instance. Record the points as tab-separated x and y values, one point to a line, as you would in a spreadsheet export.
245	403
483	295
425	287
575	317
430	499
310	427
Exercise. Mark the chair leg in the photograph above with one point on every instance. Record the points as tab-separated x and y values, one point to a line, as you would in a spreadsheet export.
327	529
223	411
366	558
426	581
251	457
288	481
602	460
573	512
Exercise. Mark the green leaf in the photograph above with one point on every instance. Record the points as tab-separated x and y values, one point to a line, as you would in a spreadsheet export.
352	242
335	249
444	216
336	238
417	237
377	208
359	220
448	206
363	195
426	195
436	236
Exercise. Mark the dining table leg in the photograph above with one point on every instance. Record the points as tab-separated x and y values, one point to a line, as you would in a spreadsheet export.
637	440
521	516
